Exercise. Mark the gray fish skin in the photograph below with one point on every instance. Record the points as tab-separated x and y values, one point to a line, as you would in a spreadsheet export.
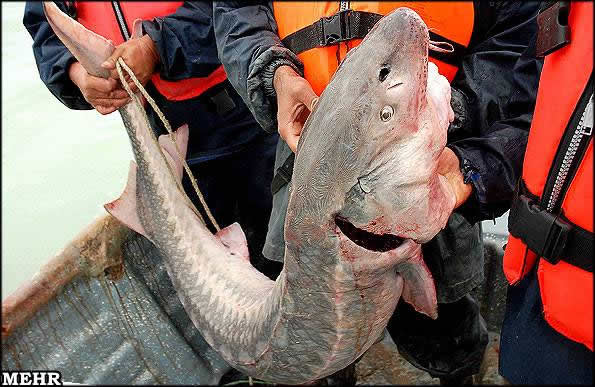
333	298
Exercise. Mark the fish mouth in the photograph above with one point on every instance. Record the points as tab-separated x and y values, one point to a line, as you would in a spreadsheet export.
368	240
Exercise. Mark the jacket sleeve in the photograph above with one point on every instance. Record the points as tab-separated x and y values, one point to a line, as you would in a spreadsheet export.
499	77
52	57
250	50
185	41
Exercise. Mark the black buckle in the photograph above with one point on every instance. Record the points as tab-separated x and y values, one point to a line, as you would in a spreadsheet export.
283	174
556	241
552	32
223	102
335	28
543	232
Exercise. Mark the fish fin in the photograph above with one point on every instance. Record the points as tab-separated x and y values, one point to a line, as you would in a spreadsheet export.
418	286
234	239
124	208
89	48
137	28
170	150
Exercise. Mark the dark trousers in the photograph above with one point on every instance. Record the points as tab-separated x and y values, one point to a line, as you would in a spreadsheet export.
450	347
531	351
237	188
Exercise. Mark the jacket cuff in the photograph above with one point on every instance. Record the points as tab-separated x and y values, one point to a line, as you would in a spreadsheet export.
476	207
152	28
268	74
149	27
460	127
259	85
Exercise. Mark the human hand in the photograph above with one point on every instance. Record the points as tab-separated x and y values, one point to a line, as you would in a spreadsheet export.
295	101
439	94
448	166
105	95
140	54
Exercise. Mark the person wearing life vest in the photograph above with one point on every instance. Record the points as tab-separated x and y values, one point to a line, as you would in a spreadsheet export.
547	333
280	58
175	57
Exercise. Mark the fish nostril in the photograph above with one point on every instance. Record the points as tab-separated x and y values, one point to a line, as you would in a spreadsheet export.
383	73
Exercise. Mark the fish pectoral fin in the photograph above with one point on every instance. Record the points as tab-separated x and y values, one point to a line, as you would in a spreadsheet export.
234	239
124	208
137	28
171	153
418	286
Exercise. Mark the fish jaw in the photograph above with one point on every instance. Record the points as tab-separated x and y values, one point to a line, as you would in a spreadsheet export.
403	257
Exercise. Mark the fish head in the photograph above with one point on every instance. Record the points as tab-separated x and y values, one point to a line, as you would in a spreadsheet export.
393	65
384	119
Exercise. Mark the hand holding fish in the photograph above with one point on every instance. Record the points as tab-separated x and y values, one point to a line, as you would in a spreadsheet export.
295	101
448	163
449	167
105	95
140	54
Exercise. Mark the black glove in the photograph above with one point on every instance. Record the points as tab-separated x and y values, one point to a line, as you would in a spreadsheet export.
459	128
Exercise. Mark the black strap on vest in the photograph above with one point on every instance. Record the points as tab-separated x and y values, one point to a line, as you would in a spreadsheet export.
283	174
550	236
349	24
341	27
552	27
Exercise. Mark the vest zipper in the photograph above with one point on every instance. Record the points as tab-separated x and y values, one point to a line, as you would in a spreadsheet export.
121	21
343	5
570	152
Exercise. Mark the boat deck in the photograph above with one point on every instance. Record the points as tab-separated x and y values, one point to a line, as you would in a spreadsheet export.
104	311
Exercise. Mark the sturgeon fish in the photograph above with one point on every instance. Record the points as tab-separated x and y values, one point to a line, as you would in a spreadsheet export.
365	194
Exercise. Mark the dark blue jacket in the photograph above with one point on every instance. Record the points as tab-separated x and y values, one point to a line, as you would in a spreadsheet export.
219	121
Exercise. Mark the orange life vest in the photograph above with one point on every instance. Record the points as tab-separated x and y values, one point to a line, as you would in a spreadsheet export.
551	219
102	17
450	20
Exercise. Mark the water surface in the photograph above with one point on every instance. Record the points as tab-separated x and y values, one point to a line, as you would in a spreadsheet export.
58	165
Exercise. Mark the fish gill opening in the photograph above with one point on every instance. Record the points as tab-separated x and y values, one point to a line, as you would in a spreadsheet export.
366	239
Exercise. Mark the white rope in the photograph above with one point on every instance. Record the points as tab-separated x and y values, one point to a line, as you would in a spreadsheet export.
121	64
439	46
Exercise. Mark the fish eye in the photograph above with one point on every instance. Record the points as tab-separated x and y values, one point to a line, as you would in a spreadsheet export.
384	71
386	113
